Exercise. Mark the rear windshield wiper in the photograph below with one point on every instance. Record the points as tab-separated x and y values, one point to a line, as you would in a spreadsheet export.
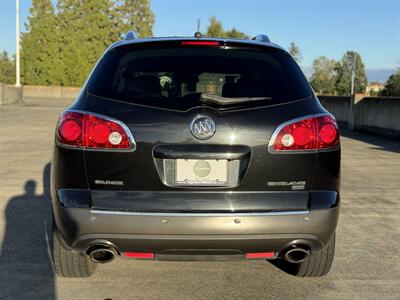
215	99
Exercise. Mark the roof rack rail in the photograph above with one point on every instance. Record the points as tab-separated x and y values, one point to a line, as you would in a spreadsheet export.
130	35
262	38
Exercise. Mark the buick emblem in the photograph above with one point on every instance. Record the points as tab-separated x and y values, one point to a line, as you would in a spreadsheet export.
202	127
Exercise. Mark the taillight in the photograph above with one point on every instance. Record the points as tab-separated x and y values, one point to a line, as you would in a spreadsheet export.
90	131
70	129
308	134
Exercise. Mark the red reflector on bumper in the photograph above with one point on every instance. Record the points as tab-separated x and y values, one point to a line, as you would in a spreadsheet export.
260	255
139	255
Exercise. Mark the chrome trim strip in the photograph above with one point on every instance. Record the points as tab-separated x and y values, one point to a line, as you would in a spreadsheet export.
255	214
124	127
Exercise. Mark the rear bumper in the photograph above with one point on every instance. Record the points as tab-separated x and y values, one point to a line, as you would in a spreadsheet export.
177	232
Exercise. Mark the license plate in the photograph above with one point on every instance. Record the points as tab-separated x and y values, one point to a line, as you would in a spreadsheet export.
203	172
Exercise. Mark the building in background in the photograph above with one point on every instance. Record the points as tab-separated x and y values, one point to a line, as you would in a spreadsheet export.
374	87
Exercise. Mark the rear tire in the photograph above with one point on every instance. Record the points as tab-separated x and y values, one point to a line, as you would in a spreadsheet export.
70	263
316	265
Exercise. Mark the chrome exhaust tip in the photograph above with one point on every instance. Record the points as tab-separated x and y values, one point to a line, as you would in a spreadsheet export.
296	255
101	253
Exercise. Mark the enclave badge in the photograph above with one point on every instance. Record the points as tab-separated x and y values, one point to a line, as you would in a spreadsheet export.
202	127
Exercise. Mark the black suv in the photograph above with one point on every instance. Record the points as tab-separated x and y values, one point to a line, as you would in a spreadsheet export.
195	149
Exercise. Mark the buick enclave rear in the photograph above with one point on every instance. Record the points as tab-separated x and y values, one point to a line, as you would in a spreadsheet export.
195	149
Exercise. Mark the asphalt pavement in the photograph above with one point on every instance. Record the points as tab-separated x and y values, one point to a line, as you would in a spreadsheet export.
366	265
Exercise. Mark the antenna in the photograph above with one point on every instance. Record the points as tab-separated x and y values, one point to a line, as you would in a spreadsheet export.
198	34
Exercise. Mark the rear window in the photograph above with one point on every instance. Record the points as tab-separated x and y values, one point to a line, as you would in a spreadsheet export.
181	78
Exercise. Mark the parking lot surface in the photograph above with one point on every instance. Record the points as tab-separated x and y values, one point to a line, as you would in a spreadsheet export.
366	265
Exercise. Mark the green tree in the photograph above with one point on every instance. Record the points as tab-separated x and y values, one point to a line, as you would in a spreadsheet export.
295	52
7	68
215	29
323	77
71	42
343	74
38	51
134	15
62	48
86	29
235	34
392	86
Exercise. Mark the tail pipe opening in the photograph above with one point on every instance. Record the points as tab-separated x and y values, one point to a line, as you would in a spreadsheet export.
296	254
101	253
